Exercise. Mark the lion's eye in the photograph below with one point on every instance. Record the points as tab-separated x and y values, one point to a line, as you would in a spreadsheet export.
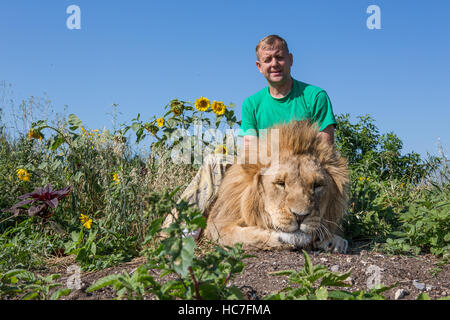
280	183
318	187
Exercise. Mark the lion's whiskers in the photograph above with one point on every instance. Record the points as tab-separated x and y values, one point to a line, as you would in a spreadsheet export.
334	223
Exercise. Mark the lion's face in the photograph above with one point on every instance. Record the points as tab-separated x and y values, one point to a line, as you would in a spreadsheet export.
295	194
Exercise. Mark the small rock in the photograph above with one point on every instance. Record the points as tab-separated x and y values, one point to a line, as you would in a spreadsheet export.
428	287
324	259
349	281
335	268
400	293
419	285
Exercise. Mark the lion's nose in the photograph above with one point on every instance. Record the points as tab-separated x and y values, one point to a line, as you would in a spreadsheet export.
300	216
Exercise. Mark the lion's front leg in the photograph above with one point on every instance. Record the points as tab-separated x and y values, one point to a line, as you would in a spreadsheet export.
333	244
250	237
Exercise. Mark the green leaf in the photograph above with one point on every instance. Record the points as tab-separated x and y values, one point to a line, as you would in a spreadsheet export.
55	142
235	294
322	293
155	226
208	291
74	122
30	296
12	274
184	260
59	293
135	126
308	265
104	282
283	273
423	296
340	295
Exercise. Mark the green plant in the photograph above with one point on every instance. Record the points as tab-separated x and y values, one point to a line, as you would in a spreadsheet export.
205	277
41	288
131	287
8	283
424	227
307	289
28	286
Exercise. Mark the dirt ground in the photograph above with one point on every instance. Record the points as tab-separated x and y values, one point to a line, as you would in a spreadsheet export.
413	274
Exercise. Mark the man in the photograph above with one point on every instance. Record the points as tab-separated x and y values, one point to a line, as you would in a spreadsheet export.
284	99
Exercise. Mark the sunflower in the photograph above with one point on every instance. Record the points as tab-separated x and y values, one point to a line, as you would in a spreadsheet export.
176	107
86	221
34	134
218	107
160	122
202	104
221	149
23	175
176	110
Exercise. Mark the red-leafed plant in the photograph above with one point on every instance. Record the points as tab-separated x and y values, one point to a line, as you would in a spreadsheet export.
40	202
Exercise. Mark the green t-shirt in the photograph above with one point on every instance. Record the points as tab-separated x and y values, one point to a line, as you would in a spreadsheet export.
305	101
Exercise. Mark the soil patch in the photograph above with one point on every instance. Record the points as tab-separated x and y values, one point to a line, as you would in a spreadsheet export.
414	274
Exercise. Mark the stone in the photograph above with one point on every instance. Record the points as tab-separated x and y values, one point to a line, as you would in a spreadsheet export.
419	285
400	293
349	281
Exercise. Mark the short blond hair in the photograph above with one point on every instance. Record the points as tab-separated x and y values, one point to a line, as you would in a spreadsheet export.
271	42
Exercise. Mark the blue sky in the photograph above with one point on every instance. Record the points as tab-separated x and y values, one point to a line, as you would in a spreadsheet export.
142	54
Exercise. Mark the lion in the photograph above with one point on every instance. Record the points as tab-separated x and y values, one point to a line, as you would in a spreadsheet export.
298	201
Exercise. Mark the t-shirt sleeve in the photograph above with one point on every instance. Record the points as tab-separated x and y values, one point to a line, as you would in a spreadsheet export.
322	111
248	123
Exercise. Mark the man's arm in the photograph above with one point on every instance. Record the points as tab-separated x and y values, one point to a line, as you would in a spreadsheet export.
328	134
248	140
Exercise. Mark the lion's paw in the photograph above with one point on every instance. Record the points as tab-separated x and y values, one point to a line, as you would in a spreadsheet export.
334	244
298	239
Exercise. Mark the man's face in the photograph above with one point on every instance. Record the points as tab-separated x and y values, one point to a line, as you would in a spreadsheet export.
275	64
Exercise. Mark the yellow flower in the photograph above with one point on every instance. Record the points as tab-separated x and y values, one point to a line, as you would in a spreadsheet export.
116	178
221	149
160	122
202	104
86	221
23	175
34	134
218	107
